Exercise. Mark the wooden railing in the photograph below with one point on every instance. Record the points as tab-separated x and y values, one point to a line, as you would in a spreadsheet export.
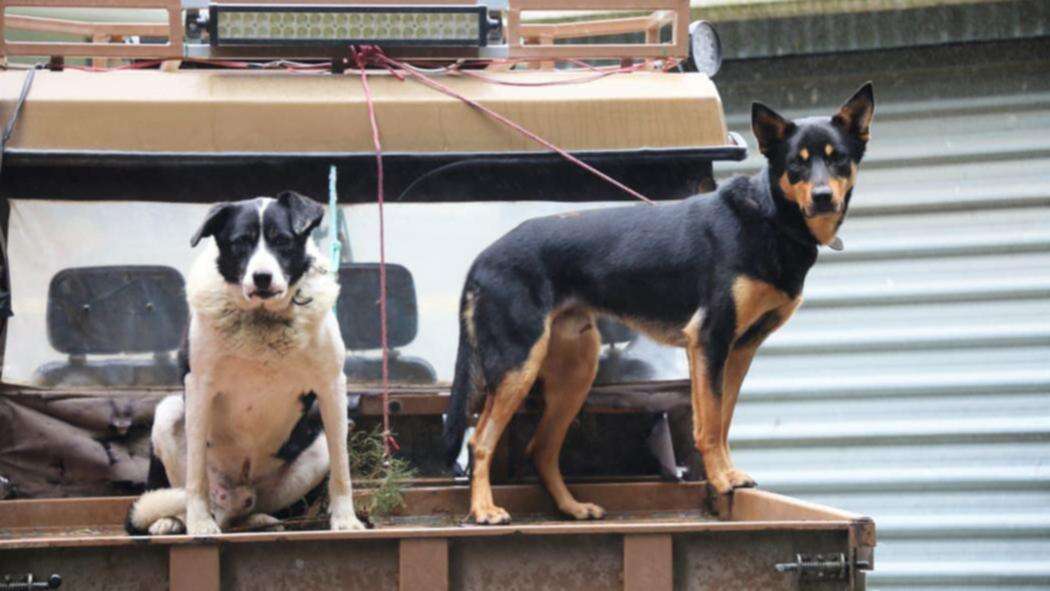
523	40
106	39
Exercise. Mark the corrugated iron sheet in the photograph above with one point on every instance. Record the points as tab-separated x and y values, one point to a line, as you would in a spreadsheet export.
914	383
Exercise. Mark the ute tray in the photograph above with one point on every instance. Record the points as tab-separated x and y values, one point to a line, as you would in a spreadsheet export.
657	536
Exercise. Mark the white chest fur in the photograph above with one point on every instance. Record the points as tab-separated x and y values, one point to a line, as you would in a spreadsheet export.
256	364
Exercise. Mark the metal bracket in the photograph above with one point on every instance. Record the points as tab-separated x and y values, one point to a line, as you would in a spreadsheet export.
821	567
28	583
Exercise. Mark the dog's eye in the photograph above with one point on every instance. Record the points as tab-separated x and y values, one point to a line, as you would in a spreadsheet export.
280	240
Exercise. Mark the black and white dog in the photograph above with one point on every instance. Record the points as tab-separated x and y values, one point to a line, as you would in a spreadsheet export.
263	345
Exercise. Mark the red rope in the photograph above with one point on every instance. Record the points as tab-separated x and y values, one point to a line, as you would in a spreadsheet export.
597	75
361	59
375	55
365	55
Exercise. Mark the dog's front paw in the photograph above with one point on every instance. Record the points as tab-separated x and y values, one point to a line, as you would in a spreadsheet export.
491	515
343	517
203	527
584	511
740	479
346	523
167	526
720	483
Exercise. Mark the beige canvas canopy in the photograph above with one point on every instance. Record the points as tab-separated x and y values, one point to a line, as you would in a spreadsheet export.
251	112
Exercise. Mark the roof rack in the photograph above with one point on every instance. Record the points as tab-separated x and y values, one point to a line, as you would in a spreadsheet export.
506	29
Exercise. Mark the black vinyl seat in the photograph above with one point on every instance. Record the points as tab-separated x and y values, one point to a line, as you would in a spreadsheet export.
358	312
138	312
614	366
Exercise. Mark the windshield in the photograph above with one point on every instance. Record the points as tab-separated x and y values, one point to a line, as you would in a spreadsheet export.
98	291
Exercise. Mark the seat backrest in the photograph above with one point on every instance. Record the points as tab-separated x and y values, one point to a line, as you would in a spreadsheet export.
358	306
613	331
116	309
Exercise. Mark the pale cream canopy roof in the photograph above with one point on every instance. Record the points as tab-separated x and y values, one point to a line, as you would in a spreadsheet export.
236	111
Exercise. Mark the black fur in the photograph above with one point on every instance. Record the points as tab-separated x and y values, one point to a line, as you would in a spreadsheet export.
286	226
305	431
157	477
657	264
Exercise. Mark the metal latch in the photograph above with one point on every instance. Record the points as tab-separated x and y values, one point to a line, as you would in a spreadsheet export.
28	583
821	567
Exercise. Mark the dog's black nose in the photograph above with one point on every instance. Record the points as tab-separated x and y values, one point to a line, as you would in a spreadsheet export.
262	280
822	196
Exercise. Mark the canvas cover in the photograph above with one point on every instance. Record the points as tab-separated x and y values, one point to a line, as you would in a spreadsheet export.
224	111
96	284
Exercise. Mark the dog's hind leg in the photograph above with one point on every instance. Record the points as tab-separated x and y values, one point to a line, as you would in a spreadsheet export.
567	374
296	479
506	399
168	443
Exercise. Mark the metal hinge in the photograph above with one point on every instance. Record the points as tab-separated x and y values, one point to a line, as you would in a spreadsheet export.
821	567
28	583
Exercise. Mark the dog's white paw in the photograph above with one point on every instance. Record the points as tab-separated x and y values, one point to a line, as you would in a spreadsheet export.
346	523
203	527
167	526
343	516
262	521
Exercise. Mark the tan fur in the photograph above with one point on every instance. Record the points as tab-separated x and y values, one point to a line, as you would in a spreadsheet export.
841	186
822	227
713	411
666	334
752	298
707	417
468	319
505	401
828	150
799	193
568	372
736	368
804	154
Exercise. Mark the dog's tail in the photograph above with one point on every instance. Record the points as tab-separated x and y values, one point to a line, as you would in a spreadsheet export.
464	382
462	392
152	506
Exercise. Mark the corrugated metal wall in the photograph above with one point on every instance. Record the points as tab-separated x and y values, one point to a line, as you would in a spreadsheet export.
914	383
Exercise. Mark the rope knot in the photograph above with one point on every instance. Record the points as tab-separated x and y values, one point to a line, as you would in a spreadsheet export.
373	55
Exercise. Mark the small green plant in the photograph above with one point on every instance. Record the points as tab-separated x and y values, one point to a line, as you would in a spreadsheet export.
385	476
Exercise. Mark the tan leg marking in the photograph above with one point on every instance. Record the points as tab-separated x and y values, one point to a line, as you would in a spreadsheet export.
737	365
707	413
468	318
494	419
751	299
568	372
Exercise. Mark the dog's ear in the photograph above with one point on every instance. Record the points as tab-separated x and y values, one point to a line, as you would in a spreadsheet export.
213	222
304	212
855	115
769	127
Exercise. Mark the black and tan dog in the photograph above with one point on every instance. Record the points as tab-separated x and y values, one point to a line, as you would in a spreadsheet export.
714	273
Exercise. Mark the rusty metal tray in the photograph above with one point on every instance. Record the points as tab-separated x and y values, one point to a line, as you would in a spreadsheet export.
657	537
